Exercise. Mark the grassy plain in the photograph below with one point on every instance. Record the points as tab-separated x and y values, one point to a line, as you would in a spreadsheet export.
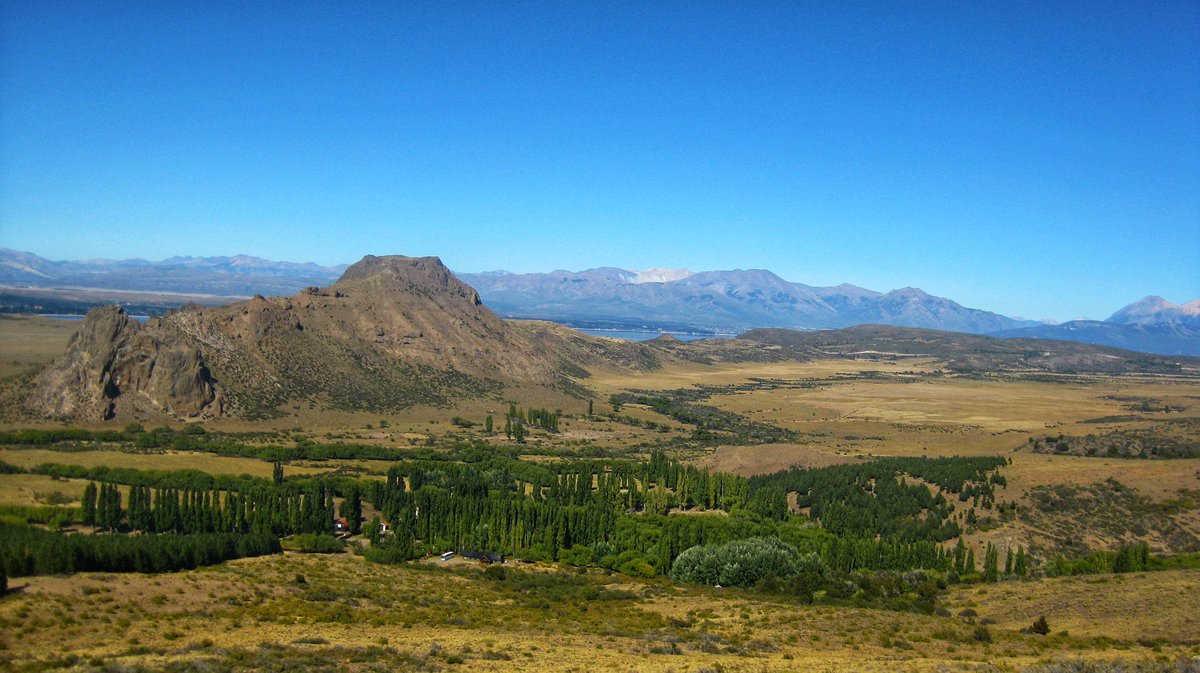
898	408
29	342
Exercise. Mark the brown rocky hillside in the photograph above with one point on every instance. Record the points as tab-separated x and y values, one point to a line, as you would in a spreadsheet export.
390	333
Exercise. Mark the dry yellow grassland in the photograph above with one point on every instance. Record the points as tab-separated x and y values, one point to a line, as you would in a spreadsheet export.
168	460
38	489
28	342
417	619
1154	606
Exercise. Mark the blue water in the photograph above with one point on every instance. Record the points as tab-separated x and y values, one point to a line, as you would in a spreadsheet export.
63	316
633	335
628	335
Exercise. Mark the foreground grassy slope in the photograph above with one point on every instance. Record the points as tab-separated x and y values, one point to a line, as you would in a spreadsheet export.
306	612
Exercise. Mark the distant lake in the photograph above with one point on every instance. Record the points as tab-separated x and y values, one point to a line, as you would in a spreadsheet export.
632	335
628	335
64	316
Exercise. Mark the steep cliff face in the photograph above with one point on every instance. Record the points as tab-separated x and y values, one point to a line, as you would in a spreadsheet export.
113	361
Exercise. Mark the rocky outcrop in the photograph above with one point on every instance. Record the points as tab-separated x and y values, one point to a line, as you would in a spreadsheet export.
392	332
115	362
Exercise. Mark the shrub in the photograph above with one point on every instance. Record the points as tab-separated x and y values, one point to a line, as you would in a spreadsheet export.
742	563
578	555
314	543
638	567
388	554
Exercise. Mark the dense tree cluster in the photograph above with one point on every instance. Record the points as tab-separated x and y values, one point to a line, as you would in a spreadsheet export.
613	513
541	512
875	498
544	419
32	551
769	565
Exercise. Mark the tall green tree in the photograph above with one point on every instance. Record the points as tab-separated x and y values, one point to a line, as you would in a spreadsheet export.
109	507
373	530
89	504
1020	564
991	561
770	502
487	424
352	509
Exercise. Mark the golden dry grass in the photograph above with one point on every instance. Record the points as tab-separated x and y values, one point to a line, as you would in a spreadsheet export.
984	407
168	460
37	489
905	414
29	342
767	458
1158	480
1155	606
437	619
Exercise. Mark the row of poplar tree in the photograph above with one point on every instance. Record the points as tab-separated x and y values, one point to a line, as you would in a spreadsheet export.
264	509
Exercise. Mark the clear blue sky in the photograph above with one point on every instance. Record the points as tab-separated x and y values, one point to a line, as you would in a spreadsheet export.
1039	159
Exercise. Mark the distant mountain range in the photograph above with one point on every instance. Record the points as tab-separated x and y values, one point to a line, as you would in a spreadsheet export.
719	301
1151	325
716	302
238	276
